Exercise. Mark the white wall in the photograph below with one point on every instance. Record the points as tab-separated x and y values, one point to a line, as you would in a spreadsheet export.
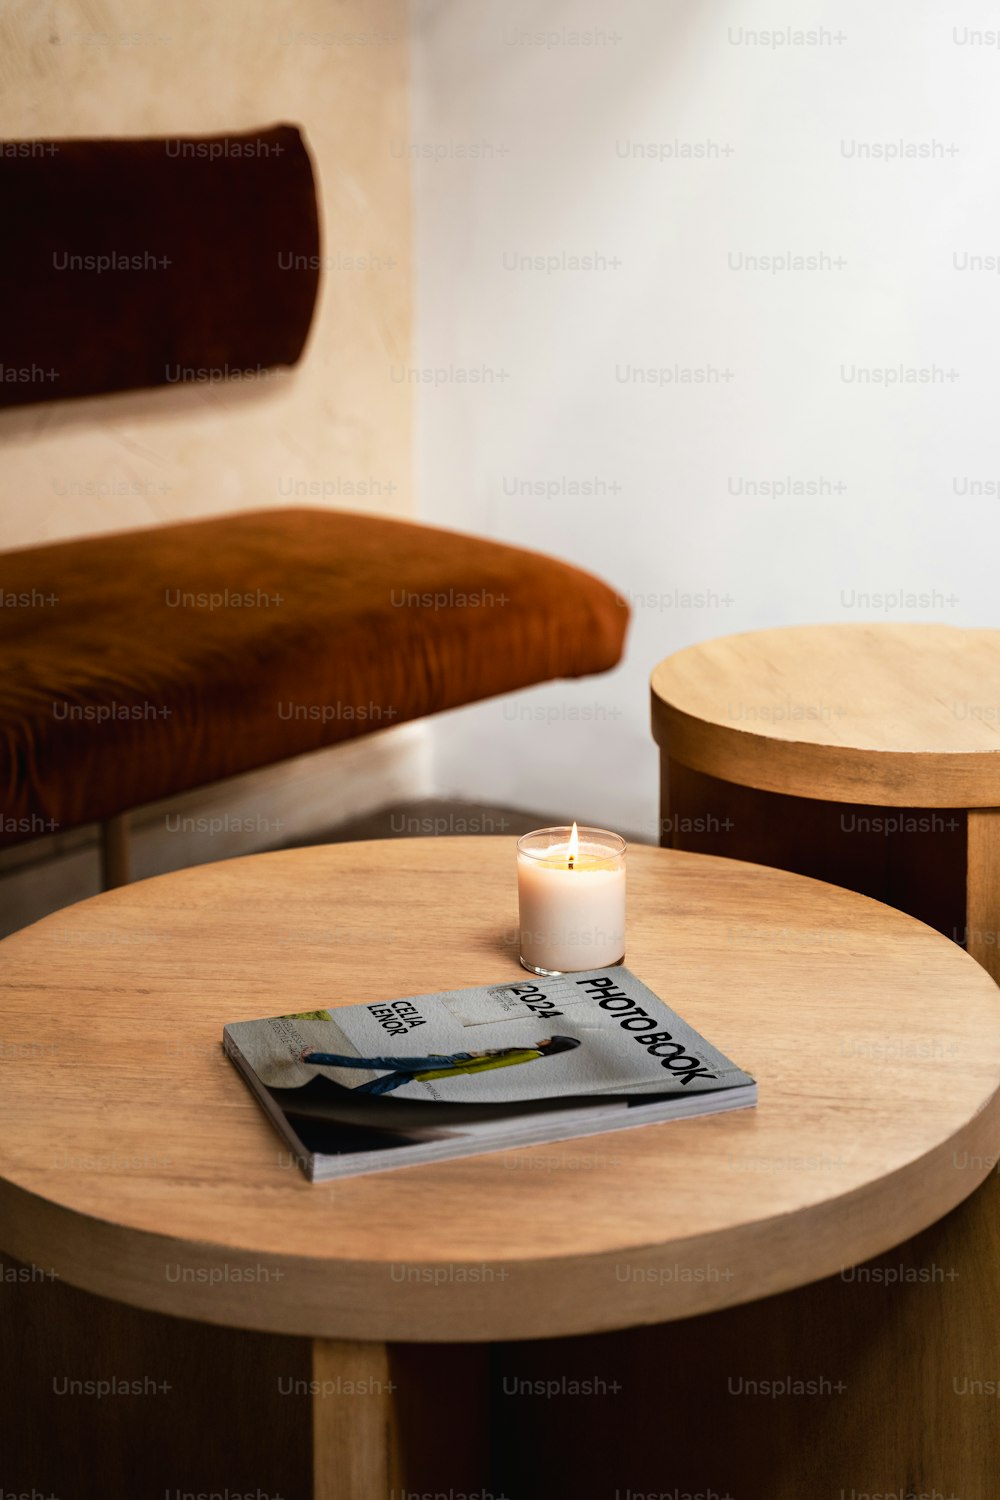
556	174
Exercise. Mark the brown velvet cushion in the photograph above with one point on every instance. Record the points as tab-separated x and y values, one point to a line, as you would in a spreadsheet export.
127	263
138	665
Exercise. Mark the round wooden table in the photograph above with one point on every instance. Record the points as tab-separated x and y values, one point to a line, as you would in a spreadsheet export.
131	1147
864	753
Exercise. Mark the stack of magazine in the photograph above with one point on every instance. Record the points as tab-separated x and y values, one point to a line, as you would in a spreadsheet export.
360	1088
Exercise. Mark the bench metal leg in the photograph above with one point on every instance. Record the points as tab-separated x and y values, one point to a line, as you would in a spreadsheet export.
115	852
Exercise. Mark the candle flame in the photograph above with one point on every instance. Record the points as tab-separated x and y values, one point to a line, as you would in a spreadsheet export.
574	847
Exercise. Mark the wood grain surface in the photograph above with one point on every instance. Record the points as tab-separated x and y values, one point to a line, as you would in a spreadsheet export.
134	1161
893	715
983	889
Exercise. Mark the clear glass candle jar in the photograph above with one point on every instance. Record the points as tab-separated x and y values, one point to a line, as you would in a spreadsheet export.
571	899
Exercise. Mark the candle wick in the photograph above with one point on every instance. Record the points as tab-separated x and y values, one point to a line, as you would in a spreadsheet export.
571	861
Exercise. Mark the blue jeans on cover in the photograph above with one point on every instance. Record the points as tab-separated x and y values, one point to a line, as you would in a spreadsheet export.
403	1068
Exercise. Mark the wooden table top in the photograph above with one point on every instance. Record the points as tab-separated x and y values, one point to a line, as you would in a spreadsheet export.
135	1162
893	715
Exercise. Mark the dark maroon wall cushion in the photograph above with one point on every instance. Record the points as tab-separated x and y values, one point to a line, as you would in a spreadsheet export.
132	263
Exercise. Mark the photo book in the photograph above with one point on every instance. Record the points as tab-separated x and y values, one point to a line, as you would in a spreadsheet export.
361	1088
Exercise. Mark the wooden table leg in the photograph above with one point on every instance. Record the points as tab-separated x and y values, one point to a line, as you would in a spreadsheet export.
982	889
391	1418
355	1424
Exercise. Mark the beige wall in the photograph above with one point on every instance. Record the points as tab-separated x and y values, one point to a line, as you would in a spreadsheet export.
338	69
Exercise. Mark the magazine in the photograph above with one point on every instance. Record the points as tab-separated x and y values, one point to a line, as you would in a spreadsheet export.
361	1088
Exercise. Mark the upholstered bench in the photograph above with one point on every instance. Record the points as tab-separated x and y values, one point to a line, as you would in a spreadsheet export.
138	665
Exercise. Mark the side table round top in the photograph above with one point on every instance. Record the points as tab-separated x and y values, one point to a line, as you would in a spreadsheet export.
135	1163
894	715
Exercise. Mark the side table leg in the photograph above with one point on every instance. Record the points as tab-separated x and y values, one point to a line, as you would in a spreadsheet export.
982	889
355	1429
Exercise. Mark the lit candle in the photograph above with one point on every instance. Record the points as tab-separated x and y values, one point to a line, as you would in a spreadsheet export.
571	897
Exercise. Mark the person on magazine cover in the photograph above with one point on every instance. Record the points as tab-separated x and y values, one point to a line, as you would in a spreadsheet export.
403	1070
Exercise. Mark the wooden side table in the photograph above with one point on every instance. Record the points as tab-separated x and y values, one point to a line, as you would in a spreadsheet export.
135	1165
867	754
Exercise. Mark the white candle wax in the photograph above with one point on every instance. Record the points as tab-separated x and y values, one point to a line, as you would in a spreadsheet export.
572	907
